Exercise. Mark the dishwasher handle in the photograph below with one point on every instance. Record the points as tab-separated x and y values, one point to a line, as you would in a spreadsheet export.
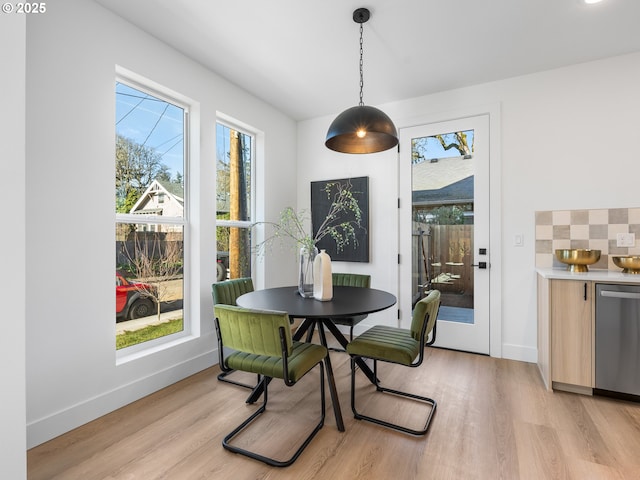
614	294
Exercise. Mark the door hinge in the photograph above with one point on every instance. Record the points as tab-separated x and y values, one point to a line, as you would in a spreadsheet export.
398	203
398	259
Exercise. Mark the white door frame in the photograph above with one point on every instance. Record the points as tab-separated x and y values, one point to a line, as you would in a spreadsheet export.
495	209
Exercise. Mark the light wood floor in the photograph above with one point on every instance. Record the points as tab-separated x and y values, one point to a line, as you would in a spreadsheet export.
495	420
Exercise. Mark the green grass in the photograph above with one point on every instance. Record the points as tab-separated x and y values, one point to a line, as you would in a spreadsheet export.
145	334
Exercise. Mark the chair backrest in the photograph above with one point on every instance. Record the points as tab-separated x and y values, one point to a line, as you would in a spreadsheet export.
227	291
425	310
351	280
253	331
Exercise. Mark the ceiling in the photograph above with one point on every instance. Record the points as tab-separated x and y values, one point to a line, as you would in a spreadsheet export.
302	56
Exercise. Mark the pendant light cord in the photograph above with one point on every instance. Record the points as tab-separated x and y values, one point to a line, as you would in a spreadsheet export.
361	63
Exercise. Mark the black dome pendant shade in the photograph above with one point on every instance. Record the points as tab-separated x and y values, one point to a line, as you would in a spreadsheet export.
361	129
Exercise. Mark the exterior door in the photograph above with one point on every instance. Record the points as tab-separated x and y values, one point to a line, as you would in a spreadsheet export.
444	227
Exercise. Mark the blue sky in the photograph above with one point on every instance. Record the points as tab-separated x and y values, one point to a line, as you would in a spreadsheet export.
434	148
222	142
153	123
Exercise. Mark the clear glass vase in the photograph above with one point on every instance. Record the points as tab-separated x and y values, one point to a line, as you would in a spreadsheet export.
305	275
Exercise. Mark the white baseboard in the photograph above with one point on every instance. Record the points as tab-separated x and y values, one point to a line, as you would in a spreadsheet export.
519	352
44	429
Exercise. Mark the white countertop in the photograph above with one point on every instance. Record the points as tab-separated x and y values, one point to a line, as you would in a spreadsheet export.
610	276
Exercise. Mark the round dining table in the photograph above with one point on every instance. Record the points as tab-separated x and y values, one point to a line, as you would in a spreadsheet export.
346	302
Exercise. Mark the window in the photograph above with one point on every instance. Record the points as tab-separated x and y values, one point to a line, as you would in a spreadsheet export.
151	213
234	173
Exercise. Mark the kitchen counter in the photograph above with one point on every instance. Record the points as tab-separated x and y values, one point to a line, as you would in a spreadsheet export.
566	306
608	276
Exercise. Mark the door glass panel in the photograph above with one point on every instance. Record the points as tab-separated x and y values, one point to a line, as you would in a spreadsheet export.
442	179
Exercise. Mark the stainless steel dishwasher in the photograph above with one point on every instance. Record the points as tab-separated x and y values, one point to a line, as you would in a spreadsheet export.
617	338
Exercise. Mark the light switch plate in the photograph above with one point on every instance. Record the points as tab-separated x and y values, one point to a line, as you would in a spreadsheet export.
626	240
518	240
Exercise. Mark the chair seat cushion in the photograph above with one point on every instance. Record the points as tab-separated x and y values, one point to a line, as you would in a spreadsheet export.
304	357
386	343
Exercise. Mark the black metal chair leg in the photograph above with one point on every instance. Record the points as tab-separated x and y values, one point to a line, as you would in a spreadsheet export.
379	388
271	461
222	376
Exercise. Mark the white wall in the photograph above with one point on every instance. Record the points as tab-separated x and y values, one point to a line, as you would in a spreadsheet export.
12	283
72	52
567	142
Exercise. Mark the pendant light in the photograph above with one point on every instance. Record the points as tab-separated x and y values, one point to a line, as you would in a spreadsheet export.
361	129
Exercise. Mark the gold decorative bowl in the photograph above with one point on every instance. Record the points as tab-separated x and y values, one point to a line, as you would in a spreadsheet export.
577	259
628	263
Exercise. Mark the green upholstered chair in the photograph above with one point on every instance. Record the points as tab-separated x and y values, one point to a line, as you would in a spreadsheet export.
350	280
226	293
400	346
262	344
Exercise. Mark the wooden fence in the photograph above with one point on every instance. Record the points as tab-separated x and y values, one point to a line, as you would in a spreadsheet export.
443	257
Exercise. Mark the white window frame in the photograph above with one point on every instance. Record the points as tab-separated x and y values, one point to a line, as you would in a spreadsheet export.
143	84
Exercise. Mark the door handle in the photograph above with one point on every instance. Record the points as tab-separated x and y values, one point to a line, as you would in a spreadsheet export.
481	265
613	294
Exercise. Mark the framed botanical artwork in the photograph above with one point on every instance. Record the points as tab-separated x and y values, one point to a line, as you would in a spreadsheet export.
323	194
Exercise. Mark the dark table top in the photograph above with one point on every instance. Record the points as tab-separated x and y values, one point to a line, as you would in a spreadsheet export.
346	302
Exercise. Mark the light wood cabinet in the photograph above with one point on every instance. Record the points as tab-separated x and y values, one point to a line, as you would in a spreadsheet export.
571	332
565	334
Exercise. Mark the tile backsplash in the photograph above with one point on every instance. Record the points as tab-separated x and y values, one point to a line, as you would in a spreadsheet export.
595	229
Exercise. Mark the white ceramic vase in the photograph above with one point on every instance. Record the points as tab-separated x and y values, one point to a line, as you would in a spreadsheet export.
322	280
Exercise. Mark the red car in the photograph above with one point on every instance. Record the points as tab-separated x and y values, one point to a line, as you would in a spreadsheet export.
131	299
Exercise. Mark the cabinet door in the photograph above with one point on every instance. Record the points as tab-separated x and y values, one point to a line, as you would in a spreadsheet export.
571	332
